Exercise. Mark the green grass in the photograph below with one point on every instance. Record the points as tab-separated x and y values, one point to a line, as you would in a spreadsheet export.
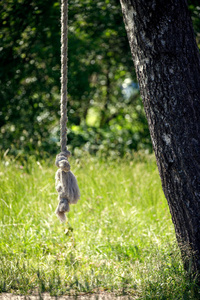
120	238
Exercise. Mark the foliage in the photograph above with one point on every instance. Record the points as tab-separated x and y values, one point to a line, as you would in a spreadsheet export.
120	238
29	72
195	14
30	69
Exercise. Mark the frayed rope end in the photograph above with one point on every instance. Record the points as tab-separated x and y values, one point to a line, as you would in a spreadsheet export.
66	186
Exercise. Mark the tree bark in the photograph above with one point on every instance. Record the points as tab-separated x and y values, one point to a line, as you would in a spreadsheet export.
167	64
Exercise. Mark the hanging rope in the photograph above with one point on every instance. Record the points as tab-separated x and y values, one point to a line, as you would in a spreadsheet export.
64	70
66	183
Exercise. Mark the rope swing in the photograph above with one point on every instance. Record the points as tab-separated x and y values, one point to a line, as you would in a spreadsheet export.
66	183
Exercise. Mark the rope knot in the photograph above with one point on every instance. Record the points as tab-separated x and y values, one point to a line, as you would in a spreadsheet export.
62	161
66	185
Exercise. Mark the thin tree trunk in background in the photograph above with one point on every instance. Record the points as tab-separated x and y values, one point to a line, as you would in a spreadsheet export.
104	112
167	64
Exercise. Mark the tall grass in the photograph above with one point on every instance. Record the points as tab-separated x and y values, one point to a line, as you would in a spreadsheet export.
118	238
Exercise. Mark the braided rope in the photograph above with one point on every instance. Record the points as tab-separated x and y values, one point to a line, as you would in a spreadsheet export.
64	70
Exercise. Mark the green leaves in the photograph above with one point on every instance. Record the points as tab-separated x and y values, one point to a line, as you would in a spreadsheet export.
30	69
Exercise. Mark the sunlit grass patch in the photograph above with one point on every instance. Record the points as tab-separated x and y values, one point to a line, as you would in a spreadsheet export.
119	237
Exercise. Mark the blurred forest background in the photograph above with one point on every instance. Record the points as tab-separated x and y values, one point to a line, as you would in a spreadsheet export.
105	110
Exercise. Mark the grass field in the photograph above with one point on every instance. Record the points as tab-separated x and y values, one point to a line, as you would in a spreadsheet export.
118	238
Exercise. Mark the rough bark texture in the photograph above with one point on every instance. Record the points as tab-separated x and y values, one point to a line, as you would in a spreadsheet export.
167	64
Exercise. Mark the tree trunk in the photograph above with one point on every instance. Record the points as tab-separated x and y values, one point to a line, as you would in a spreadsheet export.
167	64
